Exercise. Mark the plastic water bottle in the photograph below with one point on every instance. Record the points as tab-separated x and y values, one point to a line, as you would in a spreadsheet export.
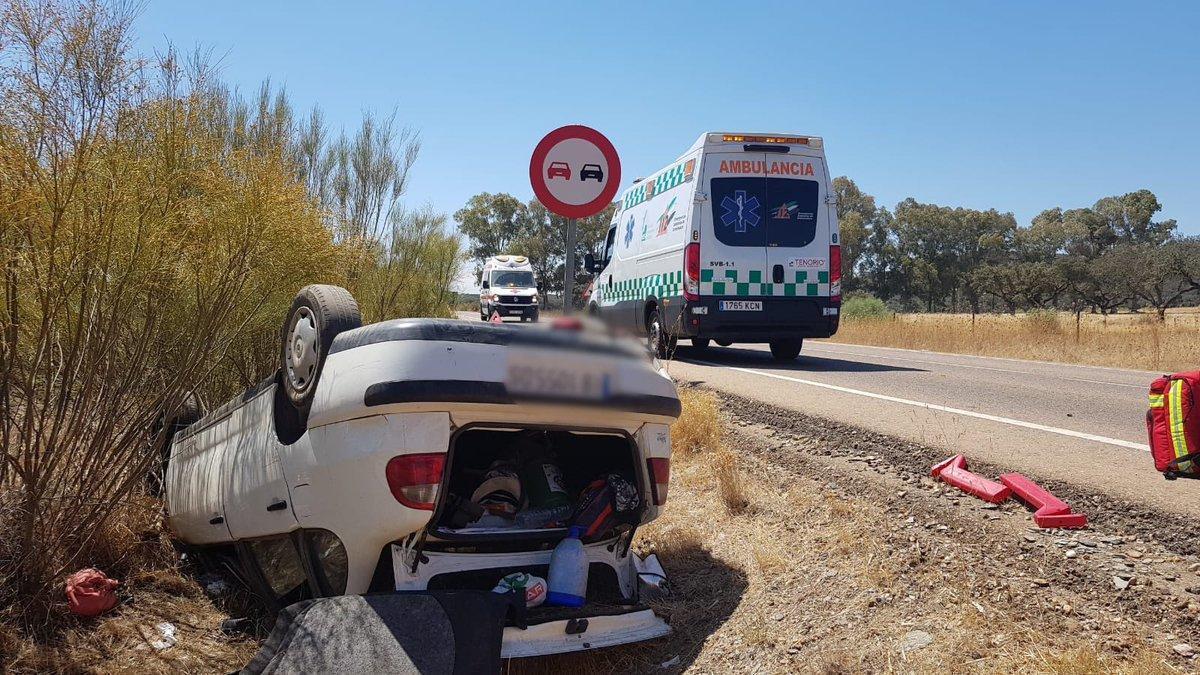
568	571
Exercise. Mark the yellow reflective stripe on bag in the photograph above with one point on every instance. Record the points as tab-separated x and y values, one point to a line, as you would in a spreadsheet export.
1156	400
1175	414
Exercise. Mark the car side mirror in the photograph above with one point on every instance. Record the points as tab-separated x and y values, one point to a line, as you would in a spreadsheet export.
541	287
591	264
486	285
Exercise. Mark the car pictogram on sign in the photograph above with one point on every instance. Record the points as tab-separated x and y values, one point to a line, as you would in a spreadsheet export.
559	170
592	171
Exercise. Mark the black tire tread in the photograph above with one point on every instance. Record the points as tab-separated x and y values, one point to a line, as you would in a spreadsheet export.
336	312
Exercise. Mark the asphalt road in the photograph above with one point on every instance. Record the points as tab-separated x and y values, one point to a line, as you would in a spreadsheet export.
1079	424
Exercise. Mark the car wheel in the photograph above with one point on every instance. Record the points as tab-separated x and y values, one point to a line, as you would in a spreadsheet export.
786	350
700	344
660	344
318	314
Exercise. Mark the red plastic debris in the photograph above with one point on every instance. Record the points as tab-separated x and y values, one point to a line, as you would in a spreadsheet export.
1050	511
90	592
954	471
496	318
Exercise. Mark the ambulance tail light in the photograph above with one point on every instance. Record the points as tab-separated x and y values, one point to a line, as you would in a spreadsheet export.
835	272
414	479
660	478
691	272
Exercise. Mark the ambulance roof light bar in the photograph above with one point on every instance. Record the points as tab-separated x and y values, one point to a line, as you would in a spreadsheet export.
810	141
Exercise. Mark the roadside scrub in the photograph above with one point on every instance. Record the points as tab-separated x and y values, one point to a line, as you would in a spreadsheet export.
154	227
839	564
1138	341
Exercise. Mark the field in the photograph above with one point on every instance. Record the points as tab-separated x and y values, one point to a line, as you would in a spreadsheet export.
1137	341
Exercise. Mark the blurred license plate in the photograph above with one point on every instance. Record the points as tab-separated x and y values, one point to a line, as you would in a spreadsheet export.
741	305
549	375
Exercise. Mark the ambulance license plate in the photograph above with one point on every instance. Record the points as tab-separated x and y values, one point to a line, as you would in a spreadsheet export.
741	305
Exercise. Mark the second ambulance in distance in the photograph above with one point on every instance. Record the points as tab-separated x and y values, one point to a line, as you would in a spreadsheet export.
734	242
507	288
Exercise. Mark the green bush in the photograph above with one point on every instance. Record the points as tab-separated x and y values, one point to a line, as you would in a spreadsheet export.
865	307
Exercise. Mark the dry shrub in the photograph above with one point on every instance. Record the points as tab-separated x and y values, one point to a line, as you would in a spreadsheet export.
699	425
154	227
729	481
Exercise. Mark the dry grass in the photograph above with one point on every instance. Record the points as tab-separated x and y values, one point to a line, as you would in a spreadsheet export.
1136	341
805	579
699	426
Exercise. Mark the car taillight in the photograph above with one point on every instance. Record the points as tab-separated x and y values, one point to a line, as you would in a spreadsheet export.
691	271
660	478
414	479
835	273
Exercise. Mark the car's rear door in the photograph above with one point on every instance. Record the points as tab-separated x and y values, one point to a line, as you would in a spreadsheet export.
797	229
733	230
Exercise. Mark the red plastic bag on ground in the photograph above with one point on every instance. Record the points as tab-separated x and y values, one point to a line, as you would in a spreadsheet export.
90	593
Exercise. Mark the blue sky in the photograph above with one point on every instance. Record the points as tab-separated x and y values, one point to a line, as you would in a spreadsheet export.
1018	106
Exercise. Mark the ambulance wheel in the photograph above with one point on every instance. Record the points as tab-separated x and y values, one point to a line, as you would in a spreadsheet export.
318	314
700	344
786	350
660	343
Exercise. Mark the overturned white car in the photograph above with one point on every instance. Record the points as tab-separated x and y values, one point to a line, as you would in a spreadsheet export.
364	464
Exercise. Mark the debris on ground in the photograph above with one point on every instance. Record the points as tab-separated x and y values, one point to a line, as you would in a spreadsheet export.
166	639
91	593
914	640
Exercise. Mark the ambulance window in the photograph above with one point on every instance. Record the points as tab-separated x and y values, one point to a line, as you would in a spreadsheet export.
791	212
608	244
739	211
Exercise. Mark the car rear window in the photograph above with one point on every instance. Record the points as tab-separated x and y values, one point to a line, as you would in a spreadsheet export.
739	211
791	212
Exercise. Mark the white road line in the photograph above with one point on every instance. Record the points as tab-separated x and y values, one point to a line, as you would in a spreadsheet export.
941	408
820	350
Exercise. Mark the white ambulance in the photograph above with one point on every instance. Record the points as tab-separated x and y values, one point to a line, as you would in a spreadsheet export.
507	288
734	242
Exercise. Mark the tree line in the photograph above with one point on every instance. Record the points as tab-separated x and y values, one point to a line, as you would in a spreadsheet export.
155	225
1110	256
500	223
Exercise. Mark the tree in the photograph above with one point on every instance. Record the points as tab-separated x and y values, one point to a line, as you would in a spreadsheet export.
1155	273
858	216
1105	283
491	223
1003	282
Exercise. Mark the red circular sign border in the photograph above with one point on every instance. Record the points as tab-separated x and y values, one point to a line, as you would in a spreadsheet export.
538	181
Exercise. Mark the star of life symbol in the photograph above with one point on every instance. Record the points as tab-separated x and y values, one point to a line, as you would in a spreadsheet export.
739	211
629	231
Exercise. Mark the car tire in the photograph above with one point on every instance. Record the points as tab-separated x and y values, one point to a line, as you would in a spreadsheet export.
318	314
700	344
786	350
533	318
661	344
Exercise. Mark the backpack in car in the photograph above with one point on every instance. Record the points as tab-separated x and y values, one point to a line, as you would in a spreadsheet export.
605	503
1173	424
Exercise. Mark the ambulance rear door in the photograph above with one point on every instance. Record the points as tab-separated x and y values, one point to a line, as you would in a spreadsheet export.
733	229
797	227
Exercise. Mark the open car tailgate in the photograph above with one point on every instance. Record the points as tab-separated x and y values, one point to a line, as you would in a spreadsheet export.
583	632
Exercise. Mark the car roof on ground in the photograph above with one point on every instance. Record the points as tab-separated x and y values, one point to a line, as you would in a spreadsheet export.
478	332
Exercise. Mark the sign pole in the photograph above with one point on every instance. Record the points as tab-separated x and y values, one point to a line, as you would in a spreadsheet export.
569	271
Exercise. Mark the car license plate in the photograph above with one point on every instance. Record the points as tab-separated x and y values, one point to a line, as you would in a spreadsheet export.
741	305
539	374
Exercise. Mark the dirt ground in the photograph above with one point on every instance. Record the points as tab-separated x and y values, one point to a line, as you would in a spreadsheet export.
829	549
